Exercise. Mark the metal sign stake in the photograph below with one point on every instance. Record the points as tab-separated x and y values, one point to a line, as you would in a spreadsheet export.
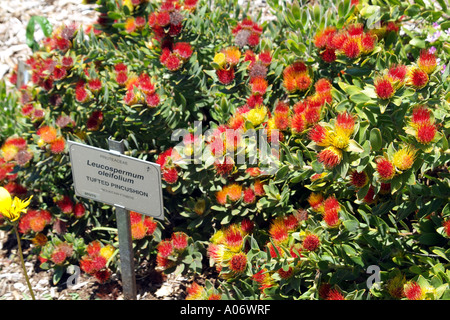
125	241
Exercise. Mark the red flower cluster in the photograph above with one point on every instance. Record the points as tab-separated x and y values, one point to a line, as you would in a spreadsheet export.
281	227
247	33
351	42
67	206
174	55
141	225
169	168
34	220
234	192
61	252
141	90
297	77
61	38
169	250
308	112
95	260
13	149
329	208
423	124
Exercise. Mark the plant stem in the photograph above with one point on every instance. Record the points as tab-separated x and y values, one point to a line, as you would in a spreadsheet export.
23	263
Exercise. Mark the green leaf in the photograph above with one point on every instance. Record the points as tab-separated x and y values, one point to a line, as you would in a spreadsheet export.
419	43
375	138
45	26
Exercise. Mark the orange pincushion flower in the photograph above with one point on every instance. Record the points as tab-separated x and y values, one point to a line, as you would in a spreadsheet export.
385	169
221	196
330	157
278	230
232	55
316	200
130	25
195	291
258	85
234	191
47	133
58	145
427	61
258	186
138	230
404	158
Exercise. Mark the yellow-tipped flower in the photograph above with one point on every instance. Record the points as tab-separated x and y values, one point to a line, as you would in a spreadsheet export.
404	158
12	208
339	138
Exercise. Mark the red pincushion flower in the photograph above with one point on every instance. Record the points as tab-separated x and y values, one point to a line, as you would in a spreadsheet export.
351	49
420	115
95	84
225	76
65	204
311	242
426	133
384	88
102	276
323	85
150	224
162	18
398	72
446	225
278	230
324	38
238	262
385	169
247	226
258	85
249	195
173	63
427	61
170	175
183	49
330	157
165	248
413	291
319	135
298	123
334	294
417	78
359	179
58	257
79	210
328	55
303	82
179	240
81	94
233	238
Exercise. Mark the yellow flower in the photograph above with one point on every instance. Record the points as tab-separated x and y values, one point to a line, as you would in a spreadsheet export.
9	208
404	158
220	59
257	115
339	138
107	251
